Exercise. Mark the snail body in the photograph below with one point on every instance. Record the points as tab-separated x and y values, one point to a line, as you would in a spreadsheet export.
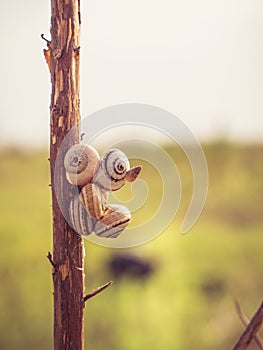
89	211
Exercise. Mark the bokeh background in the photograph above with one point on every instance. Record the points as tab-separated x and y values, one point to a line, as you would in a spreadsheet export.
201	61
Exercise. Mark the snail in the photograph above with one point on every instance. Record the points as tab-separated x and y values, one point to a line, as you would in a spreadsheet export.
80	218
89	211
114	170
115	219
80	163
93	200
111	223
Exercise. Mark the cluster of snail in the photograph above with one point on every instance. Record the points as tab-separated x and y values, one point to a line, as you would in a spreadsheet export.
95	177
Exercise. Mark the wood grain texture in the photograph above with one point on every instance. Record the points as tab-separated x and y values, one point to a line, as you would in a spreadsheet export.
68	274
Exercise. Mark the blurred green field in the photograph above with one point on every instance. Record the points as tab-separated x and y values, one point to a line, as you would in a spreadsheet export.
186	304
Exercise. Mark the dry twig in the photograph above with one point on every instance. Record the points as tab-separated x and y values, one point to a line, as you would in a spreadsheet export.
245	320
97	290
251	330
49	256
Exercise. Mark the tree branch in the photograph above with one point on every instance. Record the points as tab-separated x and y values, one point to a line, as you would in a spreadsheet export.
46	40
63	59
49	256
97	291
251	330
246	321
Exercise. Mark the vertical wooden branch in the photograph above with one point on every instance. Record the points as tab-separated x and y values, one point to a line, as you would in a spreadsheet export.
68	274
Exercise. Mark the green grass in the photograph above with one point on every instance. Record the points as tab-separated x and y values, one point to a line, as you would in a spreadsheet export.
186	304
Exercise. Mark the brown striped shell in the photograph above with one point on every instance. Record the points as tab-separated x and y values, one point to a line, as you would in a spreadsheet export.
88	210
109	223
80	162
82	222
94	200
115	219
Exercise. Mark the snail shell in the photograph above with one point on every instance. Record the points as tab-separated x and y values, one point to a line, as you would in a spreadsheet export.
112	170
82	222
94	200
88	211
115	219
80	163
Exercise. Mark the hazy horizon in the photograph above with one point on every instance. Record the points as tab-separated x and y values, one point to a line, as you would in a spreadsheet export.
200	61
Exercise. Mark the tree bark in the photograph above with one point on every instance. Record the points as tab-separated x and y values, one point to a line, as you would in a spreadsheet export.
68	272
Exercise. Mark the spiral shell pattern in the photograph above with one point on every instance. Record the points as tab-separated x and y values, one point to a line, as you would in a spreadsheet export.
115	219
112	171
80	163
112	221
88	211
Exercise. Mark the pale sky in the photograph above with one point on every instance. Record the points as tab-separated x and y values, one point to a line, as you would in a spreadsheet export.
201	60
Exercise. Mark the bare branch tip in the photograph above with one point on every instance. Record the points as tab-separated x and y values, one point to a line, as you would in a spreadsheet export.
252	328
97	290
49	256
236	305
46	40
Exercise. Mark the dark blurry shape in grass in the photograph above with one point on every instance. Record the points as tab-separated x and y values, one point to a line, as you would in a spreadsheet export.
130	266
